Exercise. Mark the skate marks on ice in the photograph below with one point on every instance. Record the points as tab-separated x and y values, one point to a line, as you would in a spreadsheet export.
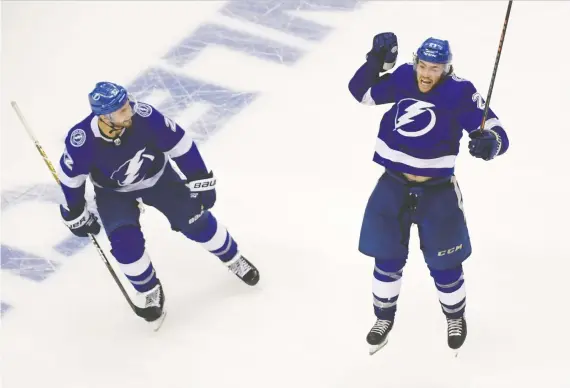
271	34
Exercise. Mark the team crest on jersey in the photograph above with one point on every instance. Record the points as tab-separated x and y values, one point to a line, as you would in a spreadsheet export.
130	171
144	110
77	137
414	118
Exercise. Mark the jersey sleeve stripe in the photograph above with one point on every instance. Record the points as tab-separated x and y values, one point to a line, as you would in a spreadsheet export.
70	181
182	147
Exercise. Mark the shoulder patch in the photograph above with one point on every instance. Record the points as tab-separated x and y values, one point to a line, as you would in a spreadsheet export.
77	137
144	110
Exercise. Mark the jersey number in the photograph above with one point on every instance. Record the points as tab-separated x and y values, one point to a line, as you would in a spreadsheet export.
478	98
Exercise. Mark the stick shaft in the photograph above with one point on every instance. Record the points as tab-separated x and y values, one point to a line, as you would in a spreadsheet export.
496	67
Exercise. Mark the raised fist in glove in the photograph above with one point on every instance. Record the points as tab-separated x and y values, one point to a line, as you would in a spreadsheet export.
81	222
384	51
484	144
203	188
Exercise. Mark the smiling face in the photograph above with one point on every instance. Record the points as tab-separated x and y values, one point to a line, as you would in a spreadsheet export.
428	75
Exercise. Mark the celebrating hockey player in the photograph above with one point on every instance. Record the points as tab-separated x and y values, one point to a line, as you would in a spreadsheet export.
418	141
127	147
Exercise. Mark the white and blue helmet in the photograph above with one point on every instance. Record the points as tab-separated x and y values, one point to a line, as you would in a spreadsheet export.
436	51
107	97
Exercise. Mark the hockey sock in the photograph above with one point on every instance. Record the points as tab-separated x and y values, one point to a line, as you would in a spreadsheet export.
386	285
213	236
128	247
451	291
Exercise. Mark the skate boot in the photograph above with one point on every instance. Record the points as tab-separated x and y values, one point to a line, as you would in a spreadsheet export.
153	310
244	270
377	337
456	333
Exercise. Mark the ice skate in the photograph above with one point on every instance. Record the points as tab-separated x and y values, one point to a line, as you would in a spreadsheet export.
244	270
456	333
153	310
377	338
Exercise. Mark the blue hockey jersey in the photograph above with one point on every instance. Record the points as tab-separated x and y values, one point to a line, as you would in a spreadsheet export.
136	163
420	134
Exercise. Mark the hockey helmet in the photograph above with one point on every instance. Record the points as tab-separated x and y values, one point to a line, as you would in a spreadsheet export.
107	97
435	51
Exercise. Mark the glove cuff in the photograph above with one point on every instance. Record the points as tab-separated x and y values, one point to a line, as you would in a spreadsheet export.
76	222
204	184
388	65
499	142
375	60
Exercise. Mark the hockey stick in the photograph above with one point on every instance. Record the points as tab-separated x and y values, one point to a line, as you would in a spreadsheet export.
91	236
496	65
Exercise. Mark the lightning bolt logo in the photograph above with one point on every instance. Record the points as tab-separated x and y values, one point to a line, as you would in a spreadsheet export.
414	110
133	167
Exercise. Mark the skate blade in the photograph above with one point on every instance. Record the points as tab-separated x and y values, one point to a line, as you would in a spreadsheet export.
156	325
374	348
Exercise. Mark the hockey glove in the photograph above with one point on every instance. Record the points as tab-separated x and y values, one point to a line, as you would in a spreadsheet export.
80	222
484	144
203	188
384	51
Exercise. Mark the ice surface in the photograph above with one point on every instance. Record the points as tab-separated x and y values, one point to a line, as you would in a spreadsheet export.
292	151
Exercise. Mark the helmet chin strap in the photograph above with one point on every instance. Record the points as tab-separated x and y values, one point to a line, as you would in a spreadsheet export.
112	126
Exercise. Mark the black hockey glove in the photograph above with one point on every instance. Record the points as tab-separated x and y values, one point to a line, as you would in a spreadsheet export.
203	188
384	51
81	222
484	144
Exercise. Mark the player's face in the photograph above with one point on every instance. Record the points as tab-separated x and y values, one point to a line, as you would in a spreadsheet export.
123	116
428	75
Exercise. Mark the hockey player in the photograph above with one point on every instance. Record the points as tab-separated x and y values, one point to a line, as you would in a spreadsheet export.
417	143
126	148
